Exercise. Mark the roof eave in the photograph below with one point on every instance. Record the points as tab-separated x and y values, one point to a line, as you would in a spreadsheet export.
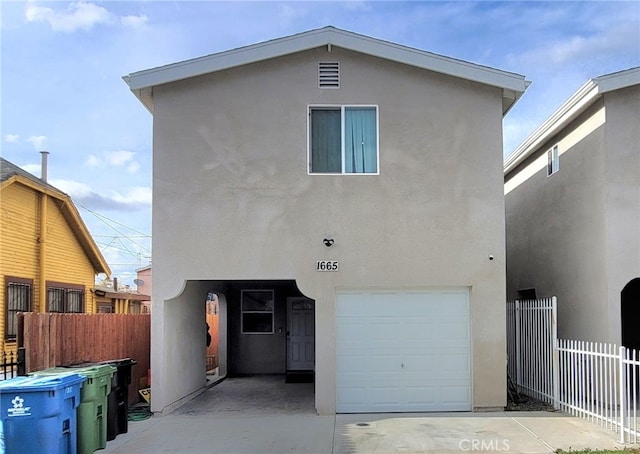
73	218
89	245
141	80
127	296
569	111
566	113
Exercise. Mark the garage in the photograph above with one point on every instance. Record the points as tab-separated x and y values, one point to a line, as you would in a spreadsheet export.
403	351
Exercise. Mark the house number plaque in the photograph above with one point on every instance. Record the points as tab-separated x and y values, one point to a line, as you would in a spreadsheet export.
327	265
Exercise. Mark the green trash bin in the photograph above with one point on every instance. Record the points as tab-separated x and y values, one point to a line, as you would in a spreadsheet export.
92	412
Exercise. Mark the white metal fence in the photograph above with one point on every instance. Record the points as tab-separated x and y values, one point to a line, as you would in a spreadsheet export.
531	328
596	381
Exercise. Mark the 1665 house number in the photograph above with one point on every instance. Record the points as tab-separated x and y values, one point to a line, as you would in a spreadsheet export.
327	265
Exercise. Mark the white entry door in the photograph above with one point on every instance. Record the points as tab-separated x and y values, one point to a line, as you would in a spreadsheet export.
301	351
403	351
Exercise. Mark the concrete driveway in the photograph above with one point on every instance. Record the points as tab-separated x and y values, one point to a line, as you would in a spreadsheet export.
265	415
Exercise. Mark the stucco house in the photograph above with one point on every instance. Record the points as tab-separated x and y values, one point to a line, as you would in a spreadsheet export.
343	198
48	259
573	212
144	284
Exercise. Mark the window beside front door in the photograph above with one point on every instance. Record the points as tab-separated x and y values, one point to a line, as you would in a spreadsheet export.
343	140
65	298
18	299
257	311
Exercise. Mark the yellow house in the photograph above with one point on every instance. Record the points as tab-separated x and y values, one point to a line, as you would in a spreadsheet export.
48	259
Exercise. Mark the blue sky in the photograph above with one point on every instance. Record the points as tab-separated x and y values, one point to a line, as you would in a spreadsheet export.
62	63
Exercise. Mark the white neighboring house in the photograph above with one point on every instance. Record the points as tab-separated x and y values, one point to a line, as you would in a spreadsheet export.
573	212
343	198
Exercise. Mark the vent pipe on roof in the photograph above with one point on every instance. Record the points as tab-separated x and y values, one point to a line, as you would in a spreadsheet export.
43	167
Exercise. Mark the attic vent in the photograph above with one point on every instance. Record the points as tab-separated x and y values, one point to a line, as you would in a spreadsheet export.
329	75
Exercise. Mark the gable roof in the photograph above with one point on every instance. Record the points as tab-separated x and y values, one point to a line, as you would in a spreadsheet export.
11	173
141	82
577	103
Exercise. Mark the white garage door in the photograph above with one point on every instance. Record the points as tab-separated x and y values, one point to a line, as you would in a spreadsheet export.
403	351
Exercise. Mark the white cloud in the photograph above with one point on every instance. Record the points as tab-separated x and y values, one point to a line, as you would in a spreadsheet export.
73	188
135	198
37	141
133	167
134	21
119	158
79	15
33	169
137	195
356	5
92	161
11	138
614	40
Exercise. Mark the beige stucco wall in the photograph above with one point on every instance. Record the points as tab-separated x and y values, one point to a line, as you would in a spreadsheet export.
233	200
622	137
574	234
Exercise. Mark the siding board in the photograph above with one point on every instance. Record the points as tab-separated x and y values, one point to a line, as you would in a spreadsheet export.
20	243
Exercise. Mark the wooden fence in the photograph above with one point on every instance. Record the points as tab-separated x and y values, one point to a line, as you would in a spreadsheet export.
52	340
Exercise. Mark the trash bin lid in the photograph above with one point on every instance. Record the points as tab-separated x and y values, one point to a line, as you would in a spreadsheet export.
40	383
120	362
89	371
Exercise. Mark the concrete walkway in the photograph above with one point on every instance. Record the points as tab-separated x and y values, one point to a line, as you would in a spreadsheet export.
264	415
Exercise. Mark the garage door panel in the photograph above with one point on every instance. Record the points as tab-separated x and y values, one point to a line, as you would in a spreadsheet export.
403	351
455	363
455	395
420	363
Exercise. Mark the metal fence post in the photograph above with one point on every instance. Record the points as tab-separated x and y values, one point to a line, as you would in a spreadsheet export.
517	320
555	362
623	394
22	362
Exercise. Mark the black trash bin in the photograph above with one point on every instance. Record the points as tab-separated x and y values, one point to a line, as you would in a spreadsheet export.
118	398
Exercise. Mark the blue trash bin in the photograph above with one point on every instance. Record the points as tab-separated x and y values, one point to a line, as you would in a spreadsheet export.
38	414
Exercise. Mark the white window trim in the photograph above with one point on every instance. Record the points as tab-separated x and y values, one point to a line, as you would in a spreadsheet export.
342	108
553	160
242	312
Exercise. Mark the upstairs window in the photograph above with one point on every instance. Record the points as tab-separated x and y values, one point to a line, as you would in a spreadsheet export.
343	140
18	299
553	160
65	298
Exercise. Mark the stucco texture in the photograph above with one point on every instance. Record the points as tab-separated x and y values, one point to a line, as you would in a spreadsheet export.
574	234
233	200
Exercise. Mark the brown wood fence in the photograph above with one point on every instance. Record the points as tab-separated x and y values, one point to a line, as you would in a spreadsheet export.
53	340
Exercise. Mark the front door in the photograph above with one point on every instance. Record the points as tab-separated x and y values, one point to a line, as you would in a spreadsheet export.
301	348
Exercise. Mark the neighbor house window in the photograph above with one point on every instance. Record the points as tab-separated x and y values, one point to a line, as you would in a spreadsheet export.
343	140
105	309
257	311
18	299
65	298
553	160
